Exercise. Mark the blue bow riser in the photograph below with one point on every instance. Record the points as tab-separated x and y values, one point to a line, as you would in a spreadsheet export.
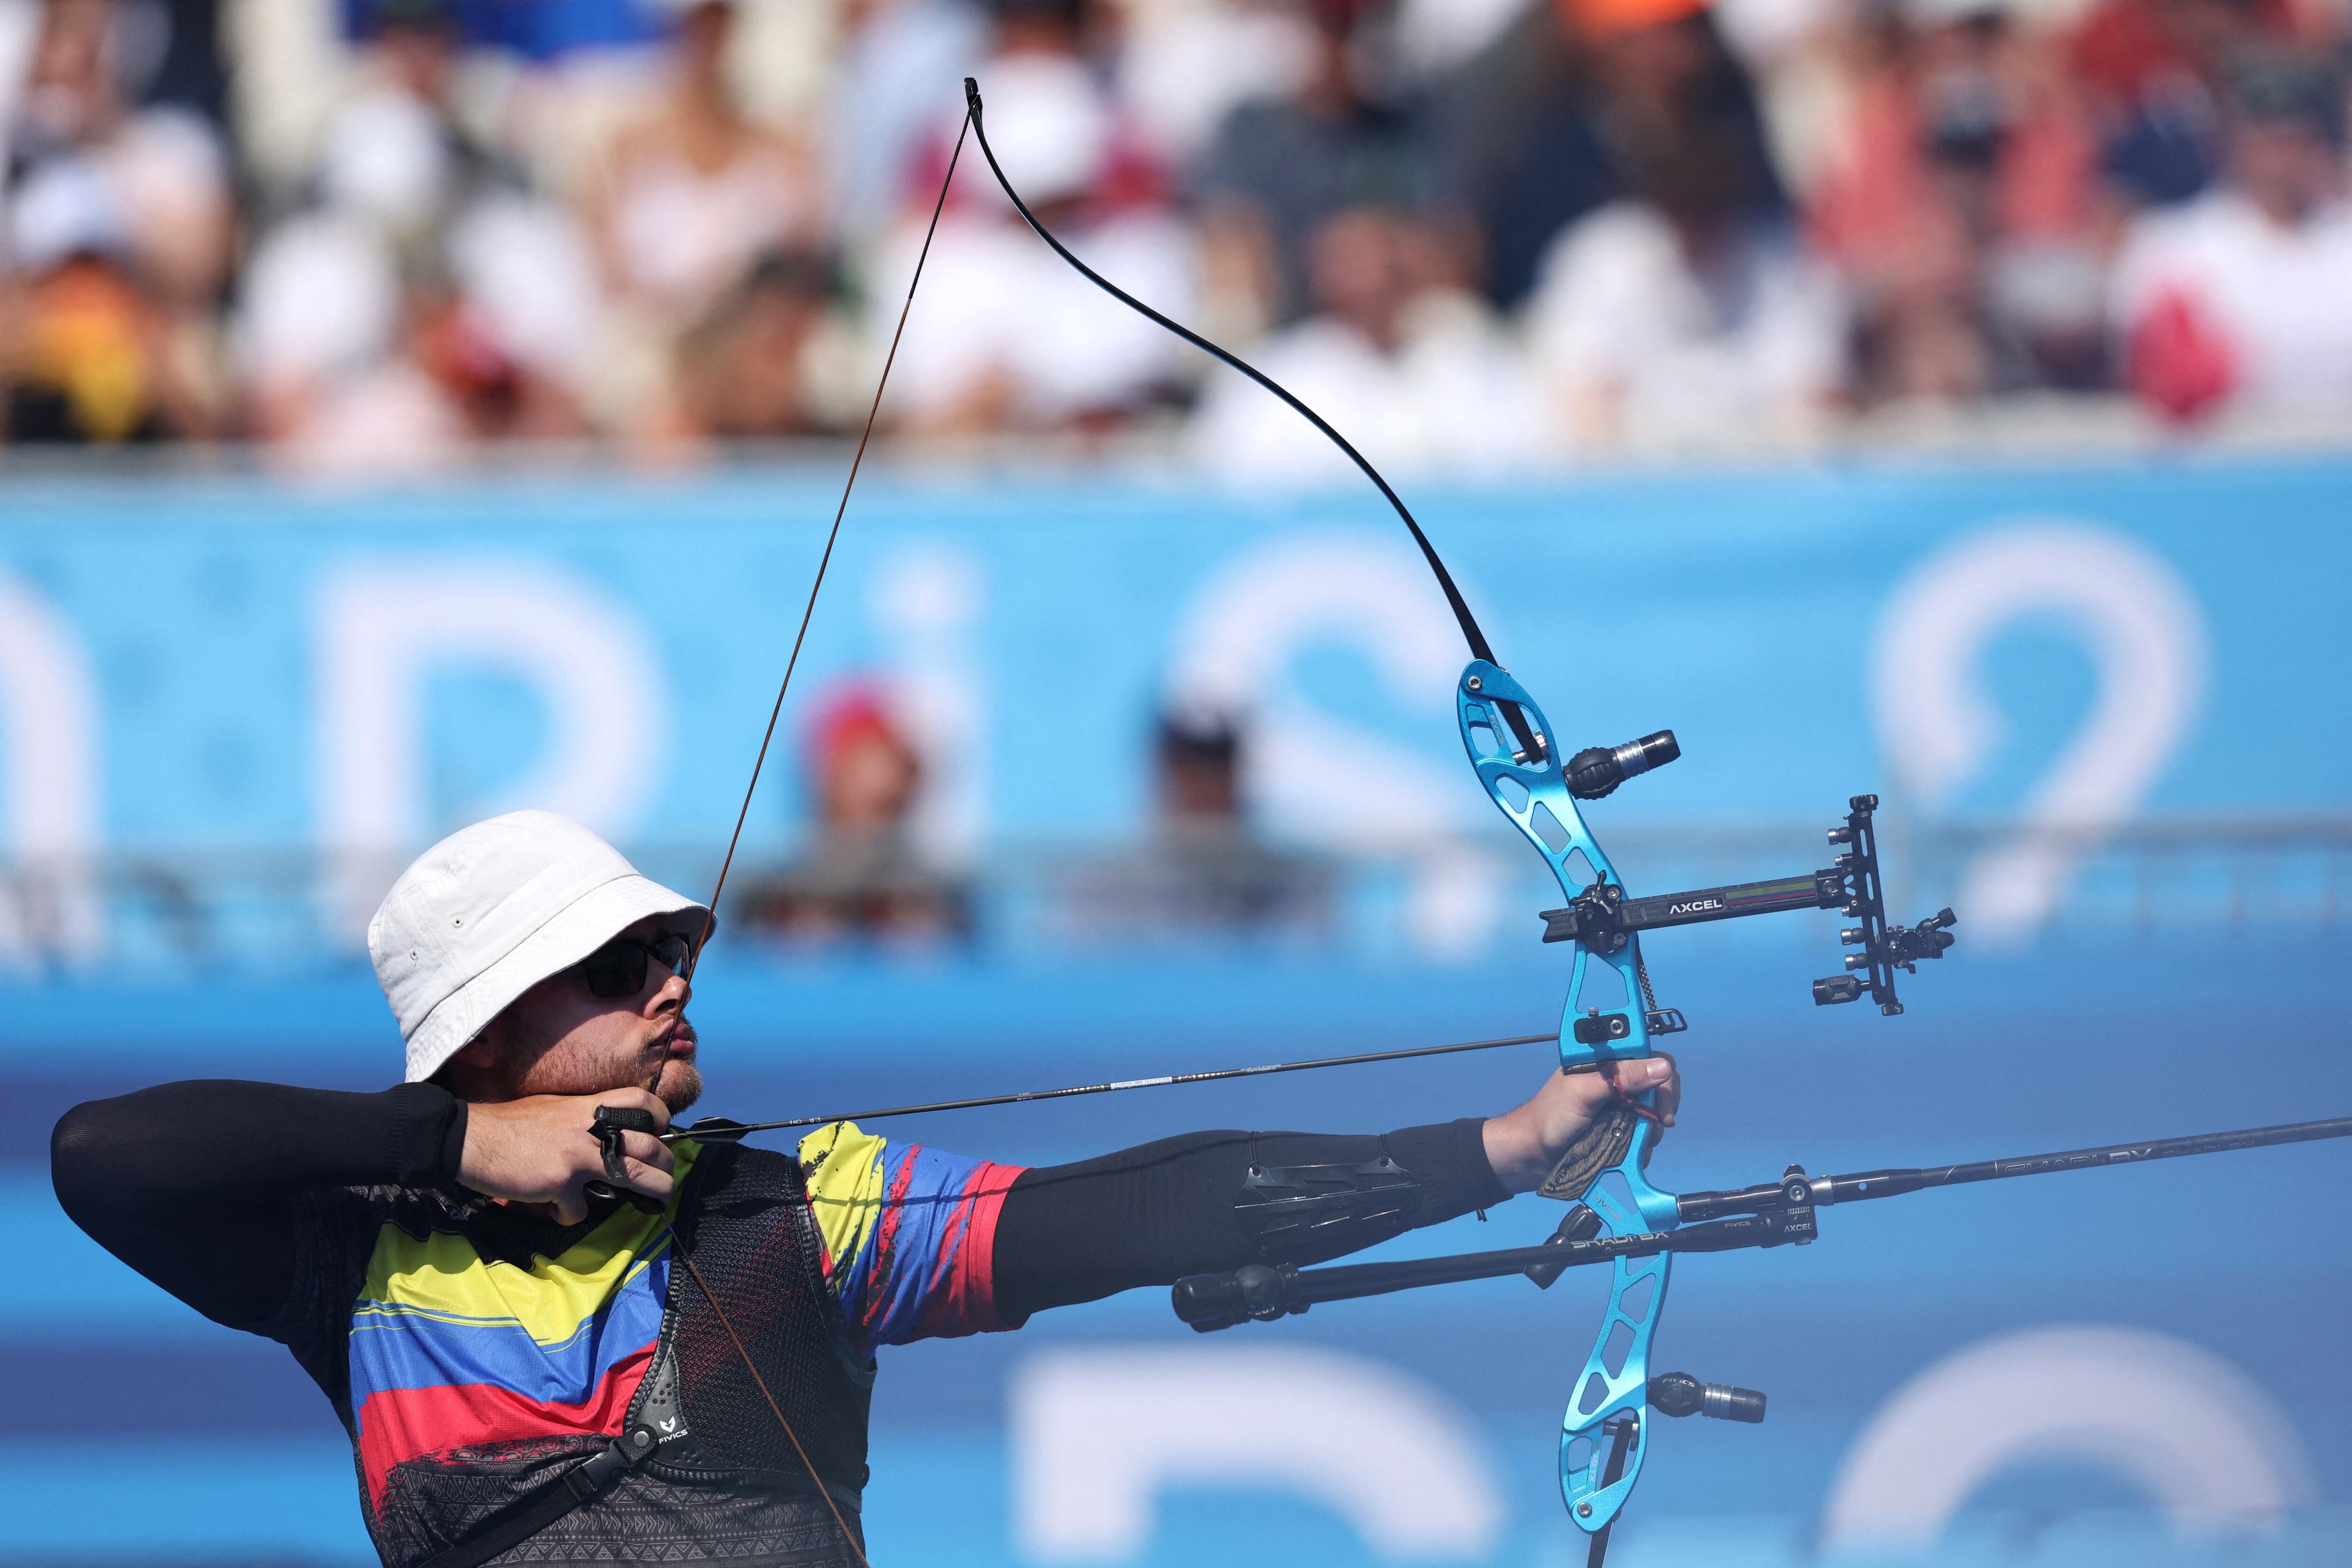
1532	792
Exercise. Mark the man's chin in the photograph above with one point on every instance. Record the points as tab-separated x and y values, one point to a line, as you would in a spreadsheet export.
680	1087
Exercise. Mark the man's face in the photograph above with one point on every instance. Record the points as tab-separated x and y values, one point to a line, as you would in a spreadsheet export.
559	1037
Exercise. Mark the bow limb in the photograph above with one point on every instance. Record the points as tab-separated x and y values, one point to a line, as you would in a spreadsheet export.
1529	740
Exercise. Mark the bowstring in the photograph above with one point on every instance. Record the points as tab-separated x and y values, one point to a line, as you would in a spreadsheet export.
808	611
710	911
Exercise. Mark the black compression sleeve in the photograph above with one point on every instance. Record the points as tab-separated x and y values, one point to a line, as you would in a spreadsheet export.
1150	1214
193	1184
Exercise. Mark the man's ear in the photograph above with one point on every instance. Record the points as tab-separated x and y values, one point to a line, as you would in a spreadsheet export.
481	1053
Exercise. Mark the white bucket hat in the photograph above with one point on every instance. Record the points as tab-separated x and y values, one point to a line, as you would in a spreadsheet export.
489	912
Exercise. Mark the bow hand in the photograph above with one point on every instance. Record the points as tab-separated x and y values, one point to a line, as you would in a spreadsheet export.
1571	1116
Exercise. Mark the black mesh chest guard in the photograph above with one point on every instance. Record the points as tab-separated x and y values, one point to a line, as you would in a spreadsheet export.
750	1233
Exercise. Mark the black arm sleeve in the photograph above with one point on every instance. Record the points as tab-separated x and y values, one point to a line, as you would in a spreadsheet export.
1150	1214
193	1184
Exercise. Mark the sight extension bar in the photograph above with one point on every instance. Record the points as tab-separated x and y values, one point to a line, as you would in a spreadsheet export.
1604	918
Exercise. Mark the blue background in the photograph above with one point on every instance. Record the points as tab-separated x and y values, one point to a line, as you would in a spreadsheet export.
1739	609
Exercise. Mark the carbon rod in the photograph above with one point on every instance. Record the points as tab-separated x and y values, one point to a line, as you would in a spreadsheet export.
728	1131
1778	1215
2136	1154
1862	1186
1349	1281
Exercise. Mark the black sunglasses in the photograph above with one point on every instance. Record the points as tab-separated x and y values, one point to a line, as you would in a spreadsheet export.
618	968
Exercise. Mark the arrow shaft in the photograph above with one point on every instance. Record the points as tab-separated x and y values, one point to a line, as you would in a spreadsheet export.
733	1130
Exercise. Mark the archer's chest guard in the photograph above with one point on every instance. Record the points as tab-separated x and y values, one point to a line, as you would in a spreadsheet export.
750	1230
696	1466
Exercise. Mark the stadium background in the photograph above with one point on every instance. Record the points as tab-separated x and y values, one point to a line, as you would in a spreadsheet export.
412	408
229	703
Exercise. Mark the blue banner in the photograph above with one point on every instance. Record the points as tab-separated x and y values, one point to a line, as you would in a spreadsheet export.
2108	710
229	669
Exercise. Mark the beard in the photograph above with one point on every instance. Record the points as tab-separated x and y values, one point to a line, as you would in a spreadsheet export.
679	1086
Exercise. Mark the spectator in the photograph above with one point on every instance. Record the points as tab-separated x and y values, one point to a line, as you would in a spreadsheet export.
1008	338
1966	211
1402	358
902	62
2241	294
1203	873
1184	65
1279	168
428	298
2152	71
1686	312
1538	130
692	196
686	203
117	248
860	876
757	365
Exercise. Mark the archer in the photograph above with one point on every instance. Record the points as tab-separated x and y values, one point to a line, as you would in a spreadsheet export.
679	1371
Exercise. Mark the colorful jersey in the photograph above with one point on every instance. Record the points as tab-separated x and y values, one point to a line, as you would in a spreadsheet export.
909	1235
450	1351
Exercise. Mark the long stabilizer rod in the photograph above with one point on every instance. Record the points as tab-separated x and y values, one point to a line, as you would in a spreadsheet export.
1770	1216
1805	1192
717	1130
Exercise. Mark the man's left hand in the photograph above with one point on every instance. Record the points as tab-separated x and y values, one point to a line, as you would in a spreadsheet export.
1523	1146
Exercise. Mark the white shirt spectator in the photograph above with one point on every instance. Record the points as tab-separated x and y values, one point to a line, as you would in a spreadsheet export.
1185	64
530	277
320	302
682	235
997	306
1620	321
2279	297
156	190
1004	334
1455	397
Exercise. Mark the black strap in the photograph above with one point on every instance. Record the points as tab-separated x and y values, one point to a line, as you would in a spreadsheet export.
528	1515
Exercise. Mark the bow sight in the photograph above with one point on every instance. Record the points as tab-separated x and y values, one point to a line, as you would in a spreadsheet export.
1604	918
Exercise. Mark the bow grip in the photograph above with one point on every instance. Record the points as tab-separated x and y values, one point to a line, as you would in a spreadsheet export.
612	1120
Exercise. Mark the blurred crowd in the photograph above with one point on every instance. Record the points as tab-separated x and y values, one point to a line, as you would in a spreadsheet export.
863	875
1476	233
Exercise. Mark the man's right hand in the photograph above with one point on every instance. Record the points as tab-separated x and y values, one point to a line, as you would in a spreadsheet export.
541	1149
